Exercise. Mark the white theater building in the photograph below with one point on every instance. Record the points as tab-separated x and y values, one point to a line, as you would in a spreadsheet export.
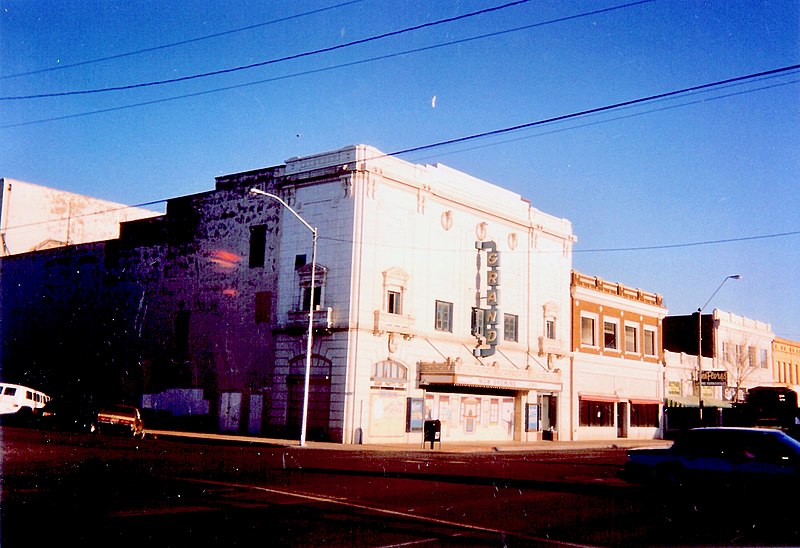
445	297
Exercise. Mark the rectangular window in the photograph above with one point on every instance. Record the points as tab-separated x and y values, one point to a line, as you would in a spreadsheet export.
610	335
596	413
649	342
444	316
751	356
644	414
510	322
258	245
263	306
299	261
587	331
550	328
763	360
631	339
307	297
394	302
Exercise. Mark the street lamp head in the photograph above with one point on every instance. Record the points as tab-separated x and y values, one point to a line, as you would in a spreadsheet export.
735	277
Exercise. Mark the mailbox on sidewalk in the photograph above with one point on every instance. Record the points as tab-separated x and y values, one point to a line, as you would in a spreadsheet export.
432	432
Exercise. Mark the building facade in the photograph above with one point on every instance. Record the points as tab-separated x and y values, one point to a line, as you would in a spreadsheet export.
616	380
34	217
435	296
736	356
786	363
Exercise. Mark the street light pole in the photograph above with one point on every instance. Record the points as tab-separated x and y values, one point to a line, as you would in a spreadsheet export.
700	343
309	344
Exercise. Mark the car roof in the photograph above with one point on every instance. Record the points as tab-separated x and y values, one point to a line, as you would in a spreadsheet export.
118	406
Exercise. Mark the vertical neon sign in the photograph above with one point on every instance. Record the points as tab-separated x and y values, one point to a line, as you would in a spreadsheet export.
491	313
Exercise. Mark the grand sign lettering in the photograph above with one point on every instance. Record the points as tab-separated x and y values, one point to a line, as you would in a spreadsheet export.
491	313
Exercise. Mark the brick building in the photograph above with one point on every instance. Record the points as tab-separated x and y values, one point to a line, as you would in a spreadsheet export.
617	376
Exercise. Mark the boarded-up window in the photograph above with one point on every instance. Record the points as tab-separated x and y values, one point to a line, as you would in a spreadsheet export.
263	306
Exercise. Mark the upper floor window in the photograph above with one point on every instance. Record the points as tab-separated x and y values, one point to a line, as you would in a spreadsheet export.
307	305
650	342
444	316
587	331
510	327
727	352
550	314
394	302
395	285
763	358
550	328
311	298
258	245
631	338
610	335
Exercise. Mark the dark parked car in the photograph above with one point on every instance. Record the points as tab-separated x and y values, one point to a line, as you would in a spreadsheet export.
713	459
118	418
66	414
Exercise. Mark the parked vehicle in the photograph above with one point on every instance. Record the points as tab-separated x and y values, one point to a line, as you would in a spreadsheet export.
720	457
118	418
68	414
20	401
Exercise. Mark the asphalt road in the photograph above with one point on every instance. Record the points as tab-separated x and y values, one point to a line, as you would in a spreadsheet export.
87	490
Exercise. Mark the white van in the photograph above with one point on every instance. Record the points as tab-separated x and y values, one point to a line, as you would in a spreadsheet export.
15	398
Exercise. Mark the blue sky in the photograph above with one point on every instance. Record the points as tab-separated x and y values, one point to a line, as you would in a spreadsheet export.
670	196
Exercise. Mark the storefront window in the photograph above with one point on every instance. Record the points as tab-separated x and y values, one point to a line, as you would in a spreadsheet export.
597	413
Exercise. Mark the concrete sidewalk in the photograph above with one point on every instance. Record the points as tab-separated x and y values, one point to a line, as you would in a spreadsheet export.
444	447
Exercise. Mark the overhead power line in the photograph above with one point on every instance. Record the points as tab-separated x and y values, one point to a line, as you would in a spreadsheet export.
688	244
318	70
181	43
290	57
596	110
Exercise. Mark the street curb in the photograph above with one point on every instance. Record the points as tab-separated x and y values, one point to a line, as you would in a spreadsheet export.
454	447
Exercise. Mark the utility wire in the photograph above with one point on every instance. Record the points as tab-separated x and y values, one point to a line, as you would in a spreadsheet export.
625	104
181	43
600	109
292	57
313	71
688	244
597	250
615	119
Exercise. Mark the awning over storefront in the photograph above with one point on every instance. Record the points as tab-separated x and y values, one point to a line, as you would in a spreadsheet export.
692	401
598	397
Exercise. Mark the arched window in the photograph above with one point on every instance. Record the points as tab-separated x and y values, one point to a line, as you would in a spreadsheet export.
389	375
